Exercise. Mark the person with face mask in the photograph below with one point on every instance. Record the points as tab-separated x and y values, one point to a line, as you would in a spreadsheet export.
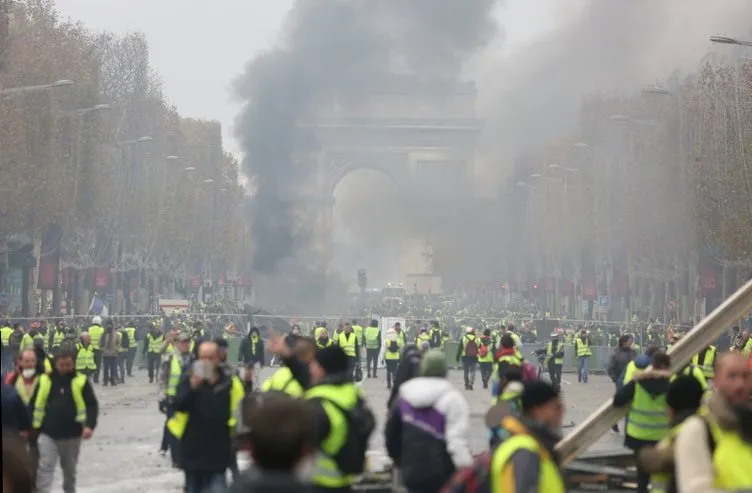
206	404
26	375
251	354
64	411
714	448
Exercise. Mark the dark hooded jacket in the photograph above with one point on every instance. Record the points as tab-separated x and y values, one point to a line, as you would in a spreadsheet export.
409	368
655	382
249	353
619	362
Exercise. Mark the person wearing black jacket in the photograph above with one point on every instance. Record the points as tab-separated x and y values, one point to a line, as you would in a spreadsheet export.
16	417
205	405
251	354
408	368
64	411
620	359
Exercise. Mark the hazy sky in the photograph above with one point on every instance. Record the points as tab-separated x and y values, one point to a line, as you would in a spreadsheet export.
200	47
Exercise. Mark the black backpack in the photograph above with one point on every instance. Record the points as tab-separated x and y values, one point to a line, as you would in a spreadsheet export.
351	458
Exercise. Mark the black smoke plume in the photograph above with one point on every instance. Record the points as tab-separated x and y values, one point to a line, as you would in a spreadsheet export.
334	47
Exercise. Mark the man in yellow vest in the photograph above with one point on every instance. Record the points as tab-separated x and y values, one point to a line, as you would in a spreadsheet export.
153	350
56	337
372	337
647	421
177	362
27	342
348	341
713	450
705	360
401	335
85	362
95	331
684	398
322	338
64	411
486	357
392	353
583	352
344	421
283	380
130	331
206	405
6	357
526	460
358	330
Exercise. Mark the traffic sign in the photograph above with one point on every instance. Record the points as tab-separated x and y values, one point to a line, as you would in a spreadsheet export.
603	300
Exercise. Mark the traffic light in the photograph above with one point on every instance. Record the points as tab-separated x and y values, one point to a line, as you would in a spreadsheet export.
362	279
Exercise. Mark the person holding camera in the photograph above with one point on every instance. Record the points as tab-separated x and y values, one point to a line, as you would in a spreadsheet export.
206	405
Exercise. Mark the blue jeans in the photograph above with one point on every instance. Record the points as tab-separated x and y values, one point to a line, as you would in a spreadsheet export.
582	372
205	482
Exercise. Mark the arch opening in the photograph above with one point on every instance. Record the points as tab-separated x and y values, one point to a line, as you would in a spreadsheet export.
367	231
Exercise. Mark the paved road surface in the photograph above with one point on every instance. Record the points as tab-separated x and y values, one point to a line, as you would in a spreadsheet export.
122	457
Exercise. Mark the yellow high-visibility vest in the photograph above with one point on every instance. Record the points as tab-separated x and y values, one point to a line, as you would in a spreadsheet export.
132	342
283	381
96	331
372	337
334	399
707	365
549	479
154	344
347	343
85	358
647	418
179	421
43	392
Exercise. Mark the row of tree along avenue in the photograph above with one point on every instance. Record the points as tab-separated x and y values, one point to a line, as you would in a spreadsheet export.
105	186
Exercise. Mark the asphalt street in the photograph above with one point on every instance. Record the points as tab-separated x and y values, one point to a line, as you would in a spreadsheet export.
122	456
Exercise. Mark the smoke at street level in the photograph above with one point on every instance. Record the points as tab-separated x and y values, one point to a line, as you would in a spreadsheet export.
596	46
343	47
